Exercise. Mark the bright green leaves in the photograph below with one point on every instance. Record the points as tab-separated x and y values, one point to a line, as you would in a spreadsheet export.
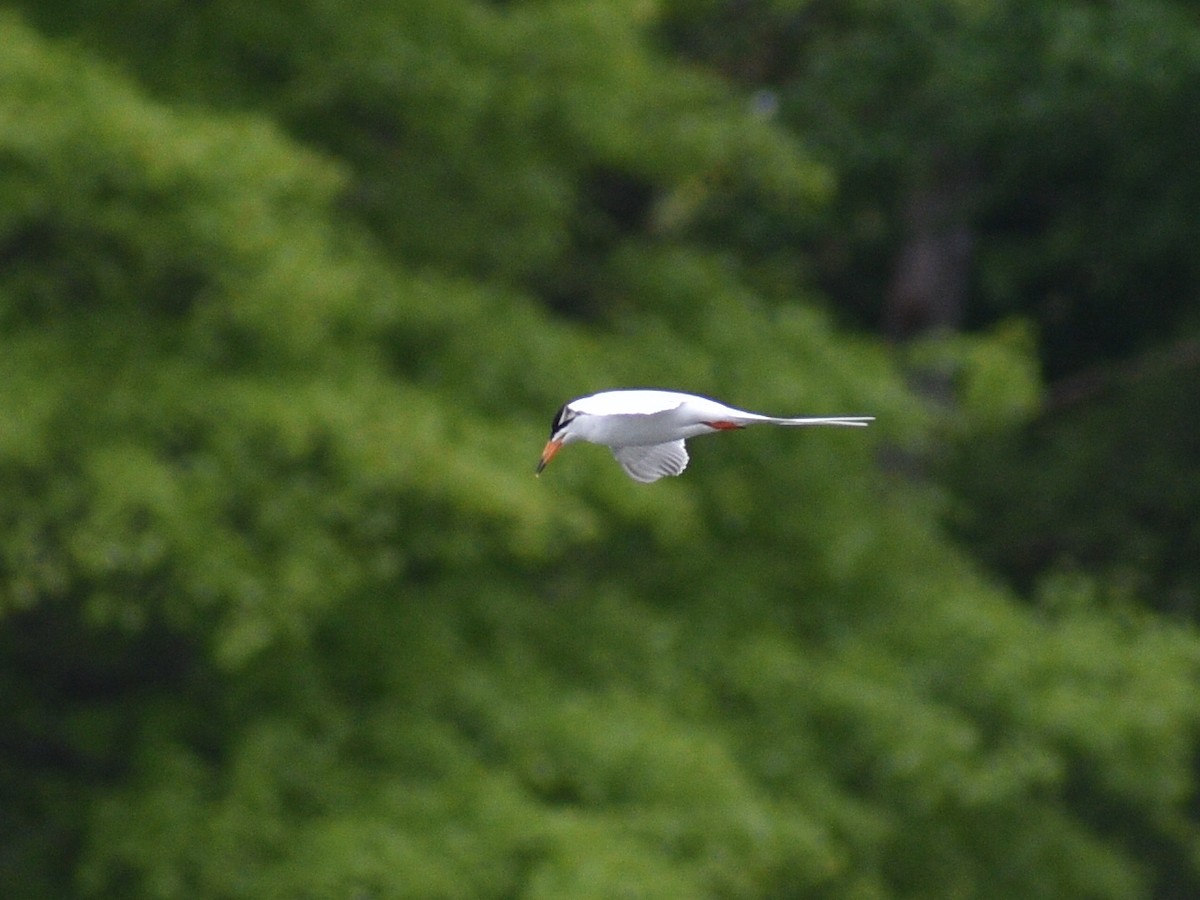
112	203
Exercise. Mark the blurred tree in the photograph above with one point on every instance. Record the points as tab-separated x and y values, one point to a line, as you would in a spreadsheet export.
283	611
1103	485
522	142
1054	139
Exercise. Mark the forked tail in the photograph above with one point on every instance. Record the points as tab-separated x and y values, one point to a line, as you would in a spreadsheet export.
855	421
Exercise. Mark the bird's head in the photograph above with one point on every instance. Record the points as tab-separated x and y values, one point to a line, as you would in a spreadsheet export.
561	433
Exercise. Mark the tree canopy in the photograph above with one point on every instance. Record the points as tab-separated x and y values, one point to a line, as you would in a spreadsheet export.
289	295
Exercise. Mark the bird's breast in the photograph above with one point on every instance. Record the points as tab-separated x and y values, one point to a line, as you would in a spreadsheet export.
637	430
629	430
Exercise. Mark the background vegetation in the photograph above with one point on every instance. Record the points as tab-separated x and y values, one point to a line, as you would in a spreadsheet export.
289	293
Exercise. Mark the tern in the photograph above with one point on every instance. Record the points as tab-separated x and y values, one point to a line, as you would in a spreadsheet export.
646	429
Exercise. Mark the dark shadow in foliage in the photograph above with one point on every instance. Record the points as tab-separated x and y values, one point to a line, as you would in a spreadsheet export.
1110	484
100	682
611	207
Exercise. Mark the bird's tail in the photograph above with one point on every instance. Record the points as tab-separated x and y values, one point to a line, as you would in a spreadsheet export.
856	421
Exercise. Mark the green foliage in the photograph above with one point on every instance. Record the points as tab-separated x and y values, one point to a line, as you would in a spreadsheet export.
517	141
1105	487
285	612
992	377
1066	128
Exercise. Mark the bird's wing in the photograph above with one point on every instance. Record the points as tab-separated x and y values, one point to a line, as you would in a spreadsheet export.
651	462
629	402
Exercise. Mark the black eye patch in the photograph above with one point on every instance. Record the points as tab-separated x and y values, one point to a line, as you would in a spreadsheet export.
561	418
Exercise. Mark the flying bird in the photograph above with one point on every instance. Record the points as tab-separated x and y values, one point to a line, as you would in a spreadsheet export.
646	429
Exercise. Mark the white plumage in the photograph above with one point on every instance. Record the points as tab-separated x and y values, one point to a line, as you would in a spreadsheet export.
650	462
646	429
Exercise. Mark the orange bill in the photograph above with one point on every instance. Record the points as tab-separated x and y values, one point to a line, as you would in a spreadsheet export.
548	452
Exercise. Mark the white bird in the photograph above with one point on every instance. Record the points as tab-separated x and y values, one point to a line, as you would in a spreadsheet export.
645	429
